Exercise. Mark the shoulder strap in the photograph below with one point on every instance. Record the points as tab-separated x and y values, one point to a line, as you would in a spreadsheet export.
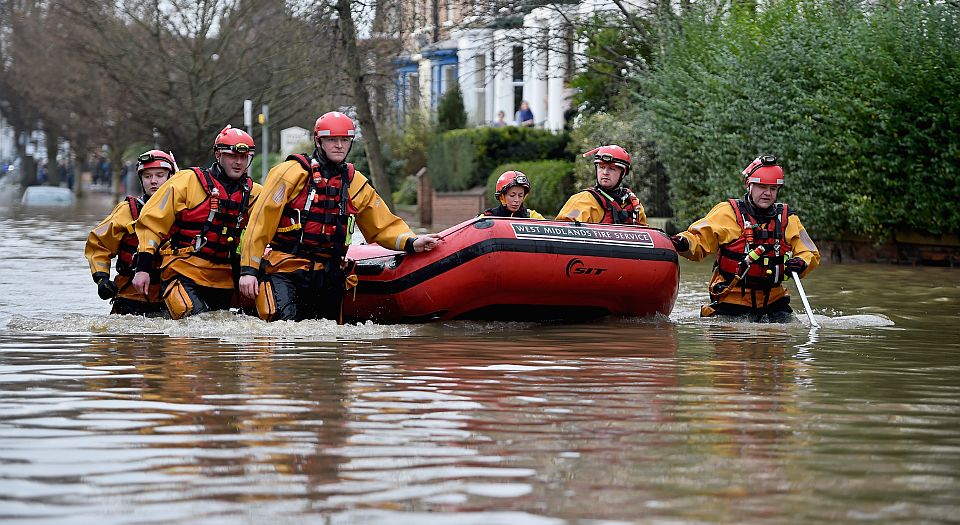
205	179
781	224
604	203
302	159
135	206
245	199
738	211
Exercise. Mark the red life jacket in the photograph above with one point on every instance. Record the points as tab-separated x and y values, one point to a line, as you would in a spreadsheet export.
128	243
212	229
317	221
766	272
624	209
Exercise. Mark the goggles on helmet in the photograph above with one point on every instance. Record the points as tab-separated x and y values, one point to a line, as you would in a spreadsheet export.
521	180
235	148
765	160
605	157
150	157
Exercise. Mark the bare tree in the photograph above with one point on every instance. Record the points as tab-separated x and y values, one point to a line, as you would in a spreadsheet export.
356	69
188	65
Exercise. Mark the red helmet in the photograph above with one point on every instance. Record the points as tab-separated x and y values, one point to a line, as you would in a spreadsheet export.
611	153
510	179
234	140
333	124
155	159
763	170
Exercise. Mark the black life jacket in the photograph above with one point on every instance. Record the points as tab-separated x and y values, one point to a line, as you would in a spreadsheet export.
317	222
212	229
502	211
128	243
767	272
623	207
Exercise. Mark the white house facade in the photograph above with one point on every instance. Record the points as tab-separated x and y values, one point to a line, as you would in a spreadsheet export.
496	68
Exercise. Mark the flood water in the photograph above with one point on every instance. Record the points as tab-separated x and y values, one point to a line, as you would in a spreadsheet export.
223	419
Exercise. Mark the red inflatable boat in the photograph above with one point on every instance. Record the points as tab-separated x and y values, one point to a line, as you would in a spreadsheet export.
519	269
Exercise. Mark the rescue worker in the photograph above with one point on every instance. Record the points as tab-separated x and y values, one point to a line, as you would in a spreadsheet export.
512	189
608	202
307	218
757	241
201	213
115	236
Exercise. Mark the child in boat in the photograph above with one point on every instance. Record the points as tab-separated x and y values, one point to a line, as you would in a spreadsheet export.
609	202
512	189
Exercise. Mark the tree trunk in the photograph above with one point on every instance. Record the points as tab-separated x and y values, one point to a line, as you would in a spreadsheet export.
355	66
53	170
116	160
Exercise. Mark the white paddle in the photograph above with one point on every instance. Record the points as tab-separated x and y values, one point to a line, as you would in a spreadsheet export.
806	303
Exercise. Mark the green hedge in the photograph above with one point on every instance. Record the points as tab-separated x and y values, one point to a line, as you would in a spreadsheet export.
463	158
860	104
551	183
631	131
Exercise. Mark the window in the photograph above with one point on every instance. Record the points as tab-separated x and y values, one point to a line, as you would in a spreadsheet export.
480	81
412	89
449	73
518	63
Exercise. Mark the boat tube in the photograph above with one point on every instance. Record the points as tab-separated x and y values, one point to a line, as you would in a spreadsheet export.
497	268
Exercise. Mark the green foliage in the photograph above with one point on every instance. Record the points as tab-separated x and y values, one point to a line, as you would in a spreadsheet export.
614	55
406	192
632	132
452	160
463	158
256	169
411	142
860	106
450	112
394	167
551	182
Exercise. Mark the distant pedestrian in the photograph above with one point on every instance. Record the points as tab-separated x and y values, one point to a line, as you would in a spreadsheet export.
524	116
500	122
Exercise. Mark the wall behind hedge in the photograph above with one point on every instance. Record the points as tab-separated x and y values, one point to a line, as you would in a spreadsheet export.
862	107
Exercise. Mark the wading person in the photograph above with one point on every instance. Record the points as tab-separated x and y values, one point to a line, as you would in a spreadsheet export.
201	213
757	241
115	236
608	202
307	217
512	189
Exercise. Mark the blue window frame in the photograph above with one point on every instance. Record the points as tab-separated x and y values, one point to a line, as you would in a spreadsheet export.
443	71
408	87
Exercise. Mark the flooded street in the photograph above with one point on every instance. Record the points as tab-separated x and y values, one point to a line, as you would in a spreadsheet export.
224	419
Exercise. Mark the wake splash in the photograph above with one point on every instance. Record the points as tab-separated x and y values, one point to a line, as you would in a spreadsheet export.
222	325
